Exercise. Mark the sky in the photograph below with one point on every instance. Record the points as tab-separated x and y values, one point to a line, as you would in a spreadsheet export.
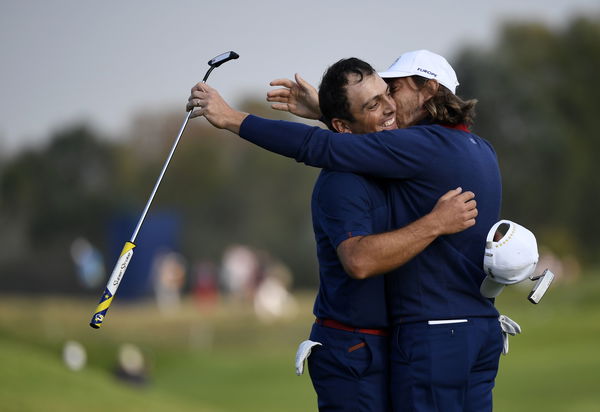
70	61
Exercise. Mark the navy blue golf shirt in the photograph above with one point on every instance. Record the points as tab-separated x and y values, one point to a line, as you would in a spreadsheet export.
426	161
346	205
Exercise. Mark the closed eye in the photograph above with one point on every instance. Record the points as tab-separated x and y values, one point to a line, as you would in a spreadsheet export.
394	87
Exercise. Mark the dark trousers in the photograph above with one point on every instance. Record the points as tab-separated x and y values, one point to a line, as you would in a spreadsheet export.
447	367
350	371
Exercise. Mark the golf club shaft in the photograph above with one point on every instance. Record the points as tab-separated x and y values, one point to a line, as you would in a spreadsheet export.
162	173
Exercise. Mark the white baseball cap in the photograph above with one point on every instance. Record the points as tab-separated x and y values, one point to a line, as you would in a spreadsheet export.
510	260
425	64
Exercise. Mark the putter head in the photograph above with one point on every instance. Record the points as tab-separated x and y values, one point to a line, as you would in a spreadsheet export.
222	58
541	286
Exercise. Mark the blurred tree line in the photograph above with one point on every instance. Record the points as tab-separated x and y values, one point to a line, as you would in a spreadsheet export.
226	191
536	88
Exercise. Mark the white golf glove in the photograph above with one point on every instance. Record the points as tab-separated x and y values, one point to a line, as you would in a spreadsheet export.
303	352
509	327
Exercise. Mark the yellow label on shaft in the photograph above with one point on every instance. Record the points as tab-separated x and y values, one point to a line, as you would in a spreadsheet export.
128	246
103	305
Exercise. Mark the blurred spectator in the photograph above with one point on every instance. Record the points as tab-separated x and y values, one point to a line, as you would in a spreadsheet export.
168	274
74	355
566	269
131	366
88	262
239	273
206	288
272	299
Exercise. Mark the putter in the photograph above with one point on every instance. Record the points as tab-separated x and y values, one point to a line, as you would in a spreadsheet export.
125	257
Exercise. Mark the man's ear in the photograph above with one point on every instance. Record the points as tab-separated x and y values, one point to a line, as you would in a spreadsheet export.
341	126
430	89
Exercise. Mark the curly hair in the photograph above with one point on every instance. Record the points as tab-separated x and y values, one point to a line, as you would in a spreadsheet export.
446	107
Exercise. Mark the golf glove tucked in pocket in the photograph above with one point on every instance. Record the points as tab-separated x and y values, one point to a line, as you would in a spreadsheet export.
509	327
303	352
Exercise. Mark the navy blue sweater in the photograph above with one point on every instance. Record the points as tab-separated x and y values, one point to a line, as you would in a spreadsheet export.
426	161
346	205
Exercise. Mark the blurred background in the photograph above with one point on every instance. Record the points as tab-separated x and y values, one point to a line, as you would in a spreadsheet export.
220	289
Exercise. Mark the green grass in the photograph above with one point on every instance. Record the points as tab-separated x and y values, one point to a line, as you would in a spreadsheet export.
554	364
227	361
220	361
35	380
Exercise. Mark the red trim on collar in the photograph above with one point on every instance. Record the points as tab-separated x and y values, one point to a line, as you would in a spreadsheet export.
461	127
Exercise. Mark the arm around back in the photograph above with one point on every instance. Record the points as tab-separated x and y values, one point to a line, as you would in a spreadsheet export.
367	256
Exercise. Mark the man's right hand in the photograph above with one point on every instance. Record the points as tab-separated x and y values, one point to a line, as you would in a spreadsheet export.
455	211
211	105
297	97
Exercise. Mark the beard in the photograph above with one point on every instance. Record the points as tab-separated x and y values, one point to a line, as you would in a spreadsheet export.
409	115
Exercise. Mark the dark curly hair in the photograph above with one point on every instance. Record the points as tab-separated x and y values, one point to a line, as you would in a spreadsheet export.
333	99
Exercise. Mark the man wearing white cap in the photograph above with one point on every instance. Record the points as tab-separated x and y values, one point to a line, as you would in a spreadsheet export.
447	339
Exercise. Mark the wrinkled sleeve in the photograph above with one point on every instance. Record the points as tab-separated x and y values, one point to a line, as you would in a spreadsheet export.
344	207
400	153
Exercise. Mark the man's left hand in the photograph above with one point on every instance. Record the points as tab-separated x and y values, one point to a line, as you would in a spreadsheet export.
455	211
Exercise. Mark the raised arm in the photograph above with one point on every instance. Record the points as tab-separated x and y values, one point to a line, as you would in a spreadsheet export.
391	154
297	97
367	256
